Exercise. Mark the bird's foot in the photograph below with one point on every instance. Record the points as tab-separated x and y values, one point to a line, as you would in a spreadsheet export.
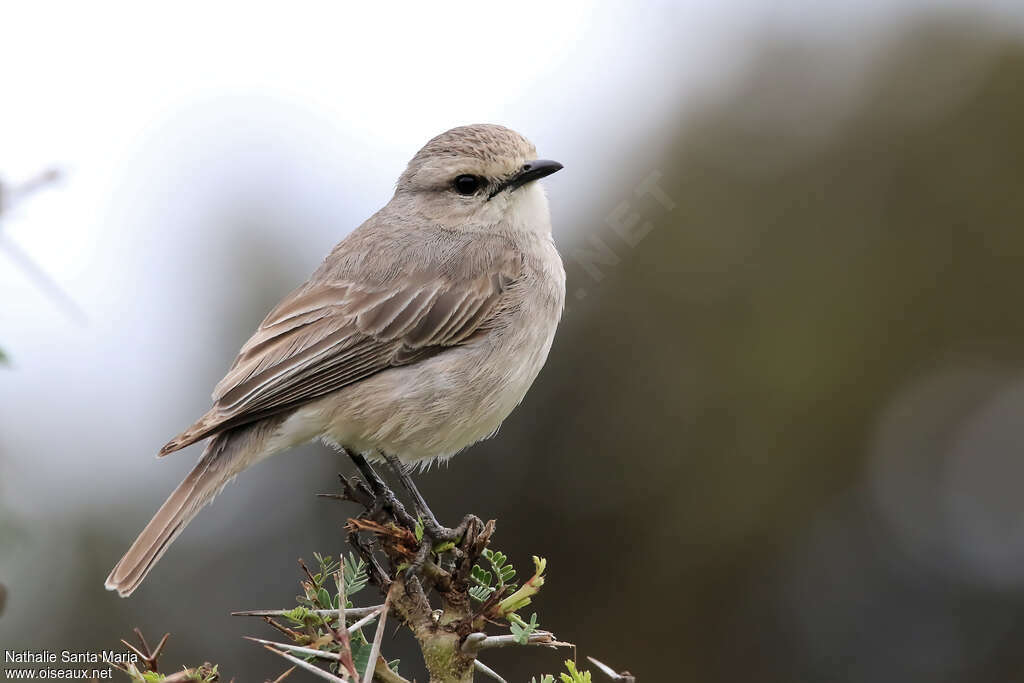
438	540
432	529
381	502
383	498
442	535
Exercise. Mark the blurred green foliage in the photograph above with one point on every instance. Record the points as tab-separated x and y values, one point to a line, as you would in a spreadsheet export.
834	238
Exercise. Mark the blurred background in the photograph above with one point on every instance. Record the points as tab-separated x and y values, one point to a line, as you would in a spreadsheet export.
780	435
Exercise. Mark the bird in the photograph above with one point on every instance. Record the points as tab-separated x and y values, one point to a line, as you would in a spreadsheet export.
416	337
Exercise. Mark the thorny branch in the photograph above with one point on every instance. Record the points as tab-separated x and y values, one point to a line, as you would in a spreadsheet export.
148	658
447	594
411	570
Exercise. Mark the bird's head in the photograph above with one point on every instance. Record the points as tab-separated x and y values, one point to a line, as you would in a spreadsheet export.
478	176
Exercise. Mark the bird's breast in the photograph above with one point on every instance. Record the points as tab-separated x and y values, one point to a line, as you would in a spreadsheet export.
435	408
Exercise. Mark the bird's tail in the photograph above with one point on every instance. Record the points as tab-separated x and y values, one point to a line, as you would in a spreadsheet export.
226	455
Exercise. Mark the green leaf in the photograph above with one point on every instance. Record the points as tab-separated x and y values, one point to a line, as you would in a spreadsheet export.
480	593
481	576
358	637
297	615
574	676
327	568
522	597
361	655
419	529
522	630
356	577
204	675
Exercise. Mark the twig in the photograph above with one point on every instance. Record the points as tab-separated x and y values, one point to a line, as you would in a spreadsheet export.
384	673
324	654
625	676
484	669
342	633
339	583
351	612
265	615
365	550
290	632
31	185
142	639
137	651
307	666
283	676
147	655
371	662
309	575
189	675
474	642
159	648
365	620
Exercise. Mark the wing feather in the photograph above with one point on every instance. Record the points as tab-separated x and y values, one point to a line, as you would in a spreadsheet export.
324	337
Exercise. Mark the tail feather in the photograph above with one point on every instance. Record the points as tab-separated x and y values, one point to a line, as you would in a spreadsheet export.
223	458
203	427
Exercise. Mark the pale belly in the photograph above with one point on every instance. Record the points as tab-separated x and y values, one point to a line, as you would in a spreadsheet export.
430	410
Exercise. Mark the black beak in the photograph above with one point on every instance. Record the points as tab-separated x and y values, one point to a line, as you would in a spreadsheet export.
531	170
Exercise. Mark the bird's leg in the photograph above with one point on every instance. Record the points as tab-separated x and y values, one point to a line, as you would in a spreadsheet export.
431	526
383	496
377	484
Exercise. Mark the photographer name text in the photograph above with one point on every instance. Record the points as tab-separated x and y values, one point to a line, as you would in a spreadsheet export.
69	657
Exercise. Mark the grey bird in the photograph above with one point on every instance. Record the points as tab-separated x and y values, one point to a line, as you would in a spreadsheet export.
415	338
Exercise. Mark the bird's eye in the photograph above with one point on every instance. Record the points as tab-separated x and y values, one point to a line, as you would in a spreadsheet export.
467	184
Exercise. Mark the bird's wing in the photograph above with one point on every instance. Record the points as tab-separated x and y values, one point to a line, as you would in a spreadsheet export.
325	336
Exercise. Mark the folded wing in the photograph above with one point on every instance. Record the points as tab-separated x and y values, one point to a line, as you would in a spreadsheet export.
326	336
